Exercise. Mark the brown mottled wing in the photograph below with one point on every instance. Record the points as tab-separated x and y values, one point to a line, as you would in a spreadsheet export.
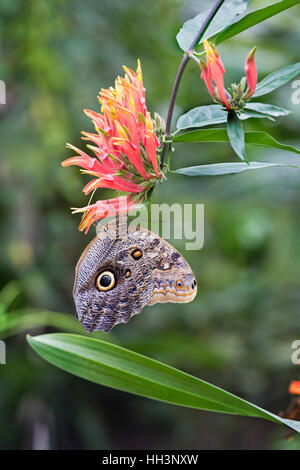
152	277
102	310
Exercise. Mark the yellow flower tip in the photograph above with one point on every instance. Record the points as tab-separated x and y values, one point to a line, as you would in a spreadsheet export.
76	210
70	146
127	72
139	70
81	227
121	131
210	49
207	46
86	112
149	123
251	53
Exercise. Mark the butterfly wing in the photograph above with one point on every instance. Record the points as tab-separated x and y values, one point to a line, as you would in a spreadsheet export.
145	270
101	310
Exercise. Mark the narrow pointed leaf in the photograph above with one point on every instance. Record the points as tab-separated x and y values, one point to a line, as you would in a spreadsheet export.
202	116
125	370
266	140
217	169
255	17
236	136
267	109
277	79
250	113
228	13
209	115
220	135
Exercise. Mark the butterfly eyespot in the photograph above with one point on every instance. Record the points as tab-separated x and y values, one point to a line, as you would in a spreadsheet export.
105	281
137	254
127	273
179	284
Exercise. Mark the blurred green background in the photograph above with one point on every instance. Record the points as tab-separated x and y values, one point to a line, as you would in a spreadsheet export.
55	57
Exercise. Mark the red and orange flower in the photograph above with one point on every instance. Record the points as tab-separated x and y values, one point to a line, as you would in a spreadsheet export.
125	146
213	74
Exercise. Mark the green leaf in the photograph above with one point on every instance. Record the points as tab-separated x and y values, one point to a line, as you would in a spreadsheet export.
266	140
216	169
220	135
203	135
268	109
250	113
119	368
236	136
277	79
202	116
255	17
214	114
229	12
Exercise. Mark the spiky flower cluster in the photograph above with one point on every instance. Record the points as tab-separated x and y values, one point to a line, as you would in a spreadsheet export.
125	145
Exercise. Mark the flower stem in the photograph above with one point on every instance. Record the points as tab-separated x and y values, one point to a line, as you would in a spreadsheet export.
181	69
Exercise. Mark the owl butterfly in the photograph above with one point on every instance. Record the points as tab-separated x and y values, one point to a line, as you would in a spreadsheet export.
124	269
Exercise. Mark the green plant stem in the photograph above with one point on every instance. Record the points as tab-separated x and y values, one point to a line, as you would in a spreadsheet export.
182	66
